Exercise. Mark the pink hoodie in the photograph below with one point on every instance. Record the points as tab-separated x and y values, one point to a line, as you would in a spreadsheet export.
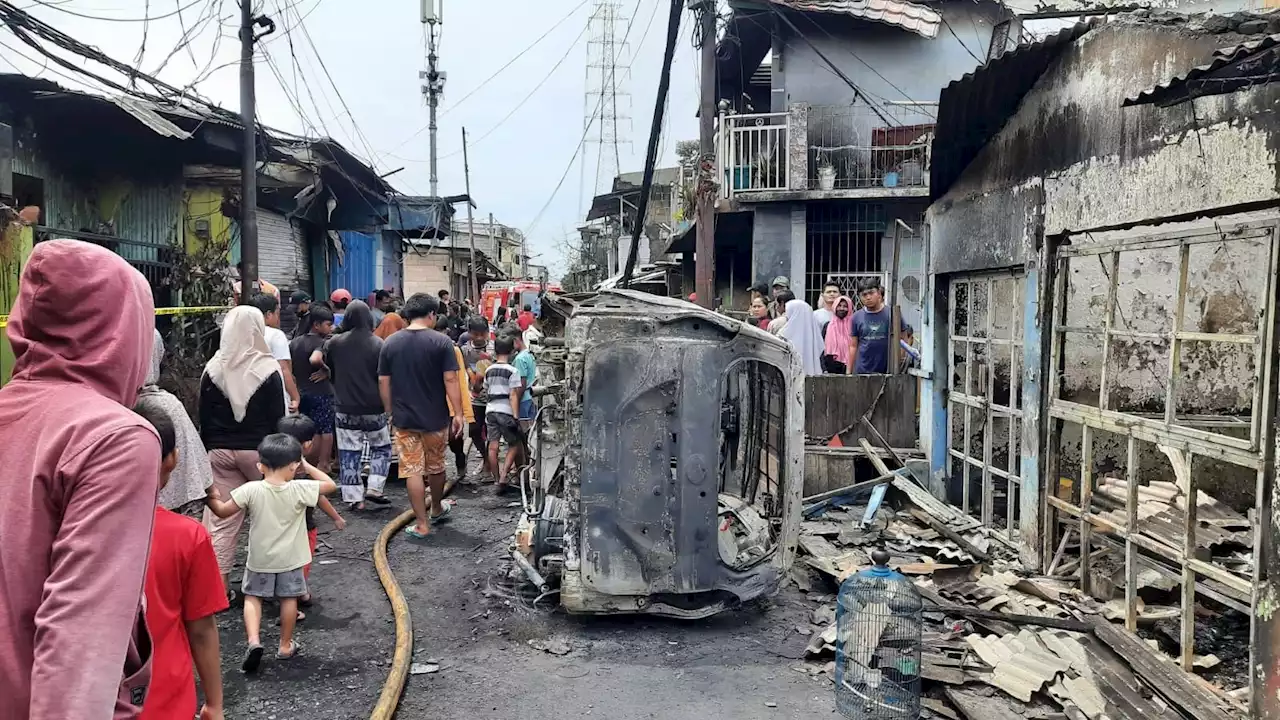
78	491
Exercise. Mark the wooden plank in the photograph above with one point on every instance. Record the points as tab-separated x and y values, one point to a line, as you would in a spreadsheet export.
1188	623
1086	500
1165	678
834	405
1175	352
1130	550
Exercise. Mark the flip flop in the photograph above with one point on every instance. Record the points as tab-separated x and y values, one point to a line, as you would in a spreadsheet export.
412	532
252	659
294	649
301	616
377	499
444	516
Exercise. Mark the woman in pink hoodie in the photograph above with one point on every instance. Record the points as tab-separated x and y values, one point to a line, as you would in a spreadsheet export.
78	491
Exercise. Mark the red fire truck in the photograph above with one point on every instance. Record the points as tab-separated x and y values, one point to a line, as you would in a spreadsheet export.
513	295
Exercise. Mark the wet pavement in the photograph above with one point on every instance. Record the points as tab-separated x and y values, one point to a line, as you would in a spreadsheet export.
498	657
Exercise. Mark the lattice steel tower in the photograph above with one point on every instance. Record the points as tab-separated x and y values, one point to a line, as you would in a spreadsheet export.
607	104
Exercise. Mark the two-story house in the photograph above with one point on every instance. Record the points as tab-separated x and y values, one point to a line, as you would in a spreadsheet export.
827	110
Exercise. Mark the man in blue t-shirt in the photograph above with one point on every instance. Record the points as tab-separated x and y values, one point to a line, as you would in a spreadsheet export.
528	367
870	330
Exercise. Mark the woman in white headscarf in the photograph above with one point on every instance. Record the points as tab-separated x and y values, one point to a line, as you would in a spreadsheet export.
192	477
241	402
805	336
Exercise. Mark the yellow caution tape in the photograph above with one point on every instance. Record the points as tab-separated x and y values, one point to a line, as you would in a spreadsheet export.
4	319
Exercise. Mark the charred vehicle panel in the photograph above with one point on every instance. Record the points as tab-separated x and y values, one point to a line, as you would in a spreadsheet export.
668	460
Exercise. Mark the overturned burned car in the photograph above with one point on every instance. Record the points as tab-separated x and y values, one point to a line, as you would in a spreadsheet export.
667	459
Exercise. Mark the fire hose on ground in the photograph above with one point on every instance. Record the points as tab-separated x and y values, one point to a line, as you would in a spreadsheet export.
389	700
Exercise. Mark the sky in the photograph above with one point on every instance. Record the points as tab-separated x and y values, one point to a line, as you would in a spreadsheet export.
350	71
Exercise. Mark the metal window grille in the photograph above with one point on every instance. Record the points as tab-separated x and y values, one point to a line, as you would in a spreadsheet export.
845	242
155	262
857	146
753	152
1094	392
985	366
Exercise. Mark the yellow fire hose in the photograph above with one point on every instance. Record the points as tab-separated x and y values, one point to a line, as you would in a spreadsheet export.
389	700
390	697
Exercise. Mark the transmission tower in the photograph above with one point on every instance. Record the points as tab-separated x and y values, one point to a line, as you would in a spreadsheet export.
606	104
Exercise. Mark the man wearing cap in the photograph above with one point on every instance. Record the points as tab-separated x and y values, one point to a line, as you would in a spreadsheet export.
301	303
780	283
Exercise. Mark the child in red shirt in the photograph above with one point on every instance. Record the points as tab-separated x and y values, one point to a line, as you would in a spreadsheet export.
183	592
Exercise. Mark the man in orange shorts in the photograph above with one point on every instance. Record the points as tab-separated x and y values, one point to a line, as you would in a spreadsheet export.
418	381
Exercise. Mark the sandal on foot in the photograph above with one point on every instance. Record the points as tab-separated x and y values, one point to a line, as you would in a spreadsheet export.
355	506
377	499
294	649
412	532
444	515
301	616
252	659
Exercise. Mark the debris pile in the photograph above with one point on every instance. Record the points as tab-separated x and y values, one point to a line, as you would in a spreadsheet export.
999	643
1222	533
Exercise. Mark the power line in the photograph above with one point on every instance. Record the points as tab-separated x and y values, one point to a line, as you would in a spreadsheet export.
857	91
957	37
655	135
500	70
583	141
568	51
59	8
877	73
358	133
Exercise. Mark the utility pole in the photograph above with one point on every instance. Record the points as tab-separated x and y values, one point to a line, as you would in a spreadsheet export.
433	15
471	222
705	273
249	153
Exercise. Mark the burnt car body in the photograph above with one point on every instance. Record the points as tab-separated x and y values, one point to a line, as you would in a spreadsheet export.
668	460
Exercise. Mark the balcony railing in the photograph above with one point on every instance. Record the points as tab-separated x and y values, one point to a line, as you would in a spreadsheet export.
860	146
753	152
851	149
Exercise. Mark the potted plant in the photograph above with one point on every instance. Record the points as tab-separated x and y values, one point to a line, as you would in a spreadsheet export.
826	173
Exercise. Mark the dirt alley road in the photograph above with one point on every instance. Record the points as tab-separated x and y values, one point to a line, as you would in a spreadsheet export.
470	622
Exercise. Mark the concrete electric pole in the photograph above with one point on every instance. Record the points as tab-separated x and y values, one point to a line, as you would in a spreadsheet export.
249	153
705	272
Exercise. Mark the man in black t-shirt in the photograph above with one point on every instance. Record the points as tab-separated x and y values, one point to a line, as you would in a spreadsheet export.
417	381
352	359
314	390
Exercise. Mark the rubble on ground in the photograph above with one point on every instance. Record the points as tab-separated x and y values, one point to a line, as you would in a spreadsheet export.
998	642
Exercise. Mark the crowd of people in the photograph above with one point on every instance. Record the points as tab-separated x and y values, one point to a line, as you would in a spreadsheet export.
111	583
835	338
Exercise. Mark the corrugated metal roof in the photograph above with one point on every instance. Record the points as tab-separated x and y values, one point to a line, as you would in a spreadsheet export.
145	114
917	18
972	110
1232	68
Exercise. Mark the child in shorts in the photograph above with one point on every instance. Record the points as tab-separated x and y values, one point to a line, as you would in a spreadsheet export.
502	390
303	429
278	548
184	591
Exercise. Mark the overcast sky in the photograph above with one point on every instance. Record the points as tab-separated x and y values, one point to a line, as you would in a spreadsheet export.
373	51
